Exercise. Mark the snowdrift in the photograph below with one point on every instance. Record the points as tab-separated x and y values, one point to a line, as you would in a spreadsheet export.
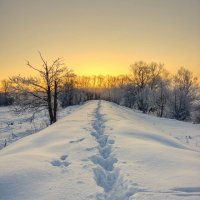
106	152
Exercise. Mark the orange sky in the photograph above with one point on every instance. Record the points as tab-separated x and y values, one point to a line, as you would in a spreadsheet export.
99	36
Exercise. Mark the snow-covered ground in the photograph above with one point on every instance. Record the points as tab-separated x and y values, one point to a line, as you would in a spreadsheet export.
106	152
15	126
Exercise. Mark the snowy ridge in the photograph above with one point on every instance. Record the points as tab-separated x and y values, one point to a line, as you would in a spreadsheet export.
102	152
106	174
182	134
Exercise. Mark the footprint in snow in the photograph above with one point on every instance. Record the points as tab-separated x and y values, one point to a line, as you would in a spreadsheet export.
76	141
62	162
90	148
63	157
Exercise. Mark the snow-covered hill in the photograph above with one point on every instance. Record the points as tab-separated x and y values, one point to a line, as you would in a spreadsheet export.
106	152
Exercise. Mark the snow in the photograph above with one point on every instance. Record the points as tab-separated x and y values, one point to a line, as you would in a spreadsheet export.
106	152
15	126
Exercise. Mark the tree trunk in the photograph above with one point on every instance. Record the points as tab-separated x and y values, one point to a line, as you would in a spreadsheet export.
49	105
55	101
162	102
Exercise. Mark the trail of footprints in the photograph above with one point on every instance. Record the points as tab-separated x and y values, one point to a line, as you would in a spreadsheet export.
106	174
62	162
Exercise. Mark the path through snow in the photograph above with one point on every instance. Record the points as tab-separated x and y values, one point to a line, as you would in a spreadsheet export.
106	174
101	151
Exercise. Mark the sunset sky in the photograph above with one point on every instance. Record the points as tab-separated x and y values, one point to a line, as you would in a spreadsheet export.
99	36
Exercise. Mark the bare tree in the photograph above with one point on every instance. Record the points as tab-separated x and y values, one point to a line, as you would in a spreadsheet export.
145	77
5	96
162	93
196	109
41	92
183	94
67	94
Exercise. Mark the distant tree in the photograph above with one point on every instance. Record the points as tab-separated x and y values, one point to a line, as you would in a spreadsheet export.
129	96
196	111
5	98
68	90
162	93
41	92
145	77
183	94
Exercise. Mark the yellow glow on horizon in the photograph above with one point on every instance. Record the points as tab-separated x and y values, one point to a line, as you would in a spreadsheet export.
99	37
91	68
100	69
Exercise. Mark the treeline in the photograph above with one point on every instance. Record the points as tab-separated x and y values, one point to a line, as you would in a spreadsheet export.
148	88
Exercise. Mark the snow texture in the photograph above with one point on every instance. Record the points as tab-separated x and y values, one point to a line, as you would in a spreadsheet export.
102	151
15	126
